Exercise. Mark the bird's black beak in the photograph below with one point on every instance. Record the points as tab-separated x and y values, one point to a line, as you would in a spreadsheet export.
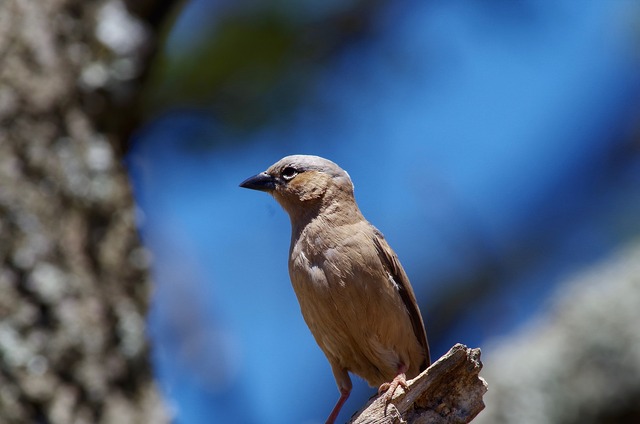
262	182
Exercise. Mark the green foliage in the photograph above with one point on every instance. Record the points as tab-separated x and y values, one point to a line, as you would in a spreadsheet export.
251	66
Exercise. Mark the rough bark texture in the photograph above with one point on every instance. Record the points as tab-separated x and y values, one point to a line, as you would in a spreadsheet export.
449	391
73	277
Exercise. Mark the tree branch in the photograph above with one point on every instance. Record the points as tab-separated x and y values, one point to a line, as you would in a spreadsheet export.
449	391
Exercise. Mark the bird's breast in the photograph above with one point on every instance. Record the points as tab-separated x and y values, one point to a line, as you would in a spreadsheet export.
350	306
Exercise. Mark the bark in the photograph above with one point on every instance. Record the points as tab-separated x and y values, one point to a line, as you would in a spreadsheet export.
73	275
578	360
449	391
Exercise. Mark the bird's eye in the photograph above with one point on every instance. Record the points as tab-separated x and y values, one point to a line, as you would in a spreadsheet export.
289	172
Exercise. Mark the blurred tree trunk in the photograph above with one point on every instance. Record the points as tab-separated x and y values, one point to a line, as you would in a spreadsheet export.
73	277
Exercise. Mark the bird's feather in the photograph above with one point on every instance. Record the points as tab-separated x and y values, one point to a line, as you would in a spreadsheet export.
392	264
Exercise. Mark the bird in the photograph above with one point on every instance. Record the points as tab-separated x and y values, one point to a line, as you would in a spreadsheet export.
353	293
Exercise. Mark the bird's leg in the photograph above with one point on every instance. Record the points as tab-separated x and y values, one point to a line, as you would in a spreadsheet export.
399	380
344	395
344	385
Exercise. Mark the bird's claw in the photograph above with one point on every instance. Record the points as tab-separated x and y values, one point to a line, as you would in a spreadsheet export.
390	388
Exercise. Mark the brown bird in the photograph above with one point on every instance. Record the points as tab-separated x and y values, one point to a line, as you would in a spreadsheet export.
353	293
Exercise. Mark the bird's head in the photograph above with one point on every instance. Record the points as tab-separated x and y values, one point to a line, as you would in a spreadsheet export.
302	182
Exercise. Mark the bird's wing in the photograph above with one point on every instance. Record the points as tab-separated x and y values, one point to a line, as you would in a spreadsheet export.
391	262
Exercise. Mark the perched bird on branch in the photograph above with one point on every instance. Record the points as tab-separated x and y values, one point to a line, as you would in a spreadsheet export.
353	293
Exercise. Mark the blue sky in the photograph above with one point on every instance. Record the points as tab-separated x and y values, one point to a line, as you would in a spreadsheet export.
471	131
